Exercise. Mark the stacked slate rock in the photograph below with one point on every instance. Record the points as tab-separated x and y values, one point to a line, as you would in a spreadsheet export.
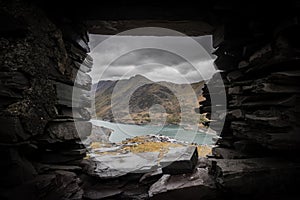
39	143
263	92
259	64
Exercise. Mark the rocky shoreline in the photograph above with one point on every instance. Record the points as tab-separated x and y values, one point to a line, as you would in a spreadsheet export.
146	161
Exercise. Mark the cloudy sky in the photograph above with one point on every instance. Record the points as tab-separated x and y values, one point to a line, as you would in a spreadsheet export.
117	59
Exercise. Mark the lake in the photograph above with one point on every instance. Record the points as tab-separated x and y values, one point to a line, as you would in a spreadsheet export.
123	131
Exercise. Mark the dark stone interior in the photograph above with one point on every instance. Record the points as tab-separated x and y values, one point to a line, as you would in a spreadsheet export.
43	45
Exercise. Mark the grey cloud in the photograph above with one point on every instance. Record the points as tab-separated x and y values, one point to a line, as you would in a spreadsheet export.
144	56
155	64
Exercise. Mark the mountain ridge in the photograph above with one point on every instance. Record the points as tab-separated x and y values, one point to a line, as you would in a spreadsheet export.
130	100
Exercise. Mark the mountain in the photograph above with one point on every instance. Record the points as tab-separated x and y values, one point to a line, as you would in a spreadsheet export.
140	100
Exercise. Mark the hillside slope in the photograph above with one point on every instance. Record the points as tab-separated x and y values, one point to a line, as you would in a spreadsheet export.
140	100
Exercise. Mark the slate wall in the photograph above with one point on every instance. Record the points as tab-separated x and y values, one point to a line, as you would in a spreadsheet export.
40	148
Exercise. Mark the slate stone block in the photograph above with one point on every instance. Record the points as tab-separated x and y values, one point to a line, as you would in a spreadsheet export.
180	160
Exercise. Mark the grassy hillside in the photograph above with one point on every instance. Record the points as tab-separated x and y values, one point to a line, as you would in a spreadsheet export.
147	101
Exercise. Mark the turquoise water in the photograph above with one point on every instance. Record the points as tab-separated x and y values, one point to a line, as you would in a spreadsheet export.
124	131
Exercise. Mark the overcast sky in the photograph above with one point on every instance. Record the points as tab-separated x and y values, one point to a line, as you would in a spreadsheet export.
155	64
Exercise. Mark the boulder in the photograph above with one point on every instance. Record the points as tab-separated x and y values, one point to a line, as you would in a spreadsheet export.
179	160
198	185
113	165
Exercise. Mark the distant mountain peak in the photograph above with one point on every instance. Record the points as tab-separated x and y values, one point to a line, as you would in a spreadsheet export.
139	77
